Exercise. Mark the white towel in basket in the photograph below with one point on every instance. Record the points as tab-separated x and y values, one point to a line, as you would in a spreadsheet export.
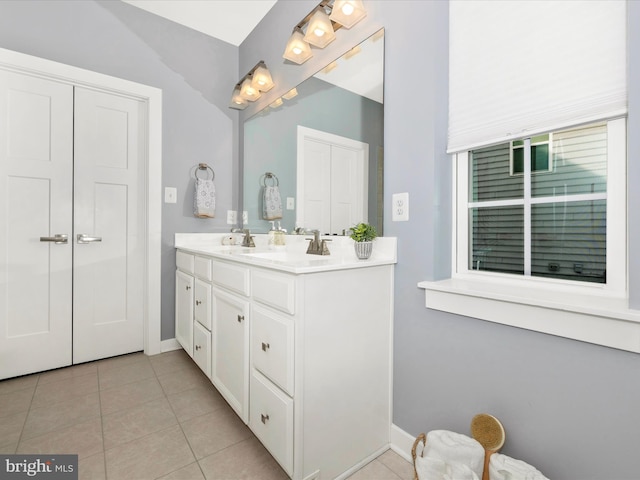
431	468
502	467
204	201
455	449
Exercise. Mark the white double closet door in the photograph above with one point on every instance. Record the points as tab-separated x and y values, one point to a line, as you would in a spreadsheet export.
72	224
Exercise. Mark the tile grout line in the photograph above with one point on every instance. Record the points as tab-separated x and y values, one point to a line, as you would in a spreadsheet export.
24	423
180	425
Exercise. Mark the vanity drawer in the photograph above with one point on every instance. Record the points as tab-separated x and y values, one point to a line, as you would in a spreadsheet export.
202	268
274	289
271	420
184	261
202	308
272	346
202	348
233	277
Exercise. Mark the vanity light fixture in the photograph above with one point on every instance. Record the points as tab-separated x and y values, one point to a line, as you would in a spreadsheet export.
320	30
237	101
297	50
321	24
330	67
249	88
248	91
353	52
348	12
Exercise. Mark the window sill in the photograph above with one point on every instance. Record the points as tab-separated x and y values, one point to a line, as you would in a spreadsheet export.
589	318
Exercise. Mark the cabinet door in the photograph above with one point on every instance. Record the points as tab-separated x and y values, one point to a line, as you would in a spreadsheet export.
230	350
202	309
202	348
184	311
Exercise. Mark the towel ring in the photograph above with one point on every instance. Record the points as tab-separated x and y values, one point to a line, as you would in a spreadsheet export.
273	177
206	168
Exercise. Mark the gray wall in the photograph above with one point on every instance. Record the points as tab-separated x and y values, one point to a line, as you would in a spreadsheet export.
570	408
195	72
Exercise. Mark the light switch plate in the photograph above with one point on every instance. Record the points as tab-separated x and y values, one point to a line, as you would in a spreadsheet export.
232	217
170	194
400	207
290	203
245	217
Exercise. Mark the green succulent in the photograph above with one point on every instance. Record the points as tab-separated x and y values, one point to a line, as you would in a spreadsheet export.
363	232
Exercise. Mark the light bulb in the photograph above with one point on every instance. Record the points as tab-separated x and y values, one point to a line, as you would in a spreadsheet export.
318	32
297	50
347	9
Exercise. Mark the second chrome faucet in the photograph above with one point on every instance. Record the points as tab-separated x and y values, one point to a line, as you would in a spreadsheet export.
318	246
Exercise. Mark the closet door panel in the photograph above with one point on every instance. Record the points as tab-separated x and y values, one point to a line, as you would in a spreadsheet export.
36	194
109	210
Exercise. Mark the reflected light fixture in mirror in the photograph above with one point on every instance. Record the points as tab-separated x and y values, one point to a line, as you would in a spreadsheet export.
348	12
320	31
249	88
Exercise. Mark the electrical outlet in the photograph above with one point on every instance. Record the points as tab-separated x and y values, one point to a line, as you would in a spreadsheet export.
400	207
232	217
245	217
170	195
290	203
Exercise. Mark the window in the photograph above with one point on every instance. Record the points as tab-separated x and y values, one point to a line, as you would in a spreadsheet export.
540	207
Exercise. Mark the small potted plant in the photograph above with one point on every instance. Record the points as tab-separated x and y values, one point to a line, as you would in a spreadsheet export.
363	234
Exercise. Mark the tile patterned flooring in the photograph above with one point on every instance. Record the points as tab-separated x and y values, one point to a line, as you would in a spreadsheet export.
136	417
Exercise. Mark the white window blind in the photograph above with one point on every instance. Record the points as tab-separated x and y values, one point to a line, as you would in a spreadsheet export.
519	68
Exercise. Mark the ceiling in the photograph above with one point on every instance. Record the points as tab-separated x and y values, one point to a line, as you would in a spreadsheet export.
228	20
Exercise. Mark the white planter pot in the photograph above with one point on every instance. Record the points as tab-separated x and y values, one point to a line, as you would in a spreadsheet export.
363	249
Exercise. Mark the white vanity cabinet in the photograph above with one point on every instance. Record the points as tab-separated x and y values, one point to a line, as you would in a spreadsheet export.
193	307
304	358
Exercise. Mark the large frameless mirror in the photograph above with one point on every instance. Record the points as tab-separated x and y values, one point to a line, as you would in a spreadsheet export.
315	160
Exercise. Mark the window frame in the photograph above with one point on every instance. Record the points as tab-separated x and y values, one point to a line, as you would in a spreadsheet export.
588	312
616	284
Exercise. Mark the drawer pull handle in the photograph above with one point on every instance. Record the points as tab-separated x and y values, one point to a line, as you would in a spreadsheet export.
198	347
265	346
240	318
264	418
198	302
188	287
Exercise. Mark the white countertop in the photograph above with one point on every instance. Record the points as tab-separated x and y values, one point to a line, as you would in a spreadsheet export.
292	257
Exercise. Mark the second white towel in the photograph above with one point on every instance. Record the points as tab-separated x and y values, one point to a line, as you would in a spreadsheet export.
502	467
455	450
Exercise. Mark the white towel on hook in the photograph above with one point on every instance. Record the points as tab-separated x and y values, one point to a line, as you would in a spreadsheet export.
271	203
204	202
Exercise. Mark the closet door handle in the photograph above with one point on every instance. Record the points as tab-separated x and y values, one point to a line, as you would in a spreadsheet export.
84	238
58	239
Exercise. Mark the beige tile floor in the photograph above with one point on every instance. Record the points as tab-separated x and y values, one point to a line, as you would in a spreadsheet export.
136	417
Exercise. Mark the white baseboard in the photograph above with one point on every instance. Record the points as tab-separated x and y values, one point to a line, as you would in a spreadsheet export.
401	442
169	345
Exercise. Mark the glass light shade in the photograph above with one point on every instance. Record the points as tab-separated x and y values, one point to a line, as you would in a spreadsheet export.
248	91
319	30
262	79
297	50
330	67
353	52
276	104
290	94
348	12
237	101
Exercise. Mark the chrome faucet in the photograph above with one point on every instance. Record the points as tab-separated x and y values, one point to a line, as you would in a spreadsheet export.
247	240
317	246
